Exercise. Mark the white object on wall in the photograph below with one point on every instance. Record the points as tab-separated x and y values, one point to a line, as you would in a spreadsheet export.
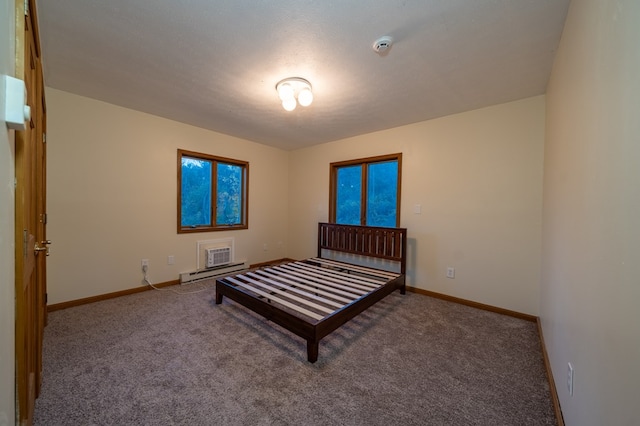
218	256
16	112
202	250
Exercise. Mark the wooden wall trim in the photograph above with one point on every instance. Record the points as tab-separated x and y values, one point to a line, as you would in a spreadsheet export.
552	384
271	263
100	297
473	304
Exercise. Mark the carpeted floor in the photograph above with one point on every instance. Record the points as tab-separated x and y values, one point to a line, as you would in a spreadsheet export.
159	358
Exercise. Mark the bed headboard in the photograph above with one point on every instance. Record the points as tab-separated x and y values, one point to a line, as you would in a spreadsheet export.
369	241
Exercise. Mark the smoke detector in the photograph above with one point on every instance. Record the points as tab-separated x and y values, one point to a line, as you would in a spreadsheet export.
382	44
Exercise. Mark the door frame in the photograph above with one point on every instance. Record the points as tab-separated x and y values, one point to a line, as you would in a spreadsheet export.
30	218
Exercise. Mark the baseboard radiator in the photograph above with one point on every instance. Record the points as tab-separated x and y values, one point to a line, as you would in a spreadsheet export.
217	271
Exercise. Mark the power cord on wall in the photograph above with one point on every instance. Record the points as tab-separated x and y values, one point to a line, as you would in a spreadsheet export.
202	284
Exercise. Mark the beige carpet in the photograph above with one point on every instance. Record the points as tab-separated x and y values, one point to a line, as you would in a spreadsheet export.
159	358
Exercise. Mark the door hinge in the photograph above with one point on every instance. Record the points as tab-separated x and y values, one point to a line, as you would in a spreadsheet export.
44	138
15	182
44	218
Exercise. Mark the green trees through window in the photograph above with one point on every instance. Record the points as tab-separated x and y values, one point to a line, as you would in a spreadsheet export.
349	195
382	194
196	192
366	191
211	187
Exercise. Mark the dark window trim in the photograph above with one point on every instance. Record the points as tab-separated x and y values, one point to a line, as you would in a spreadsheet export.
333	178
245	192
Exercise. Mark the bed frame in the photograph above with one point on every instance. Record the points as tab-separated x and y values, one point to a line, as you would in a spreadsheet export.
282	293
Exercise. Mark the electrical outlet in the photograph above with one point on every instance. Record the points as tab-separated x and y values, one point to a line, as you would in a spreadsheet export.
451	272
570	378
145	265
171	259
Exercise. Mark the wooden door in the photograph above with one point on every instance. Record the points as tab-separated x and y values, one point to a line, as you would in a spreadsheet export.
30	218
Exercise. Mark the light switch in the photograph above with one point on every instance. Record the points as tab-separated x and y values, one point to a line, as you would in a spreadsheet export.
417	209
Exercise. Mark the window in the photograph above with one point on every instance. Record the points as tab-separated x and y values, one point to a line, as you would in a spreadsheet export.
212	193
366	191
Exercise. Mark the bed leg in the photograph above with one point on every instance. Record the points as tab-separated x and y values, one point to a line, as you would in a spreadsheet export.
218	298
403	289
312	351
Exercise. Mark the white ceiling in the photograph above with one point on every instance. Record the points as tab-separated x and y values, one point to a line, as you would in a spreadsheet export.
214	63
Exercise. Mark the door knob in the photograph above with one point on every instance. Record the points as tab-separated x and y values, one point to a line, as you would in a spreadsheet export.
45	242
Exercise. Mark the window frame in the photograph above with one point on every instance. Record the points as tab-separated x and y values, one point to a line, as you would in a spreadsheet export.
364	162
214	159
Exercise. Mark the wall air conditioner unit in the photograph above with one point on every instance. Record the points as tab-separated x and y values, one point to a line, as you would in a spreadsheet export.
218	256
213	253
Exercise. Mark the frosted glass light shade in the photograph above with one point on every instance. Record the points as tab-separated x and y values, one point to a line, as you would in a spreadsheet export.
289	104
305	97
286	91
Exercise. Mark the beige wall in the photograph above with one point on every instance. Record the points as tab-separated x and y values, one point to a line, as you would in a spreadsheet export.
112	197
478	179
7	245
477	176
591	236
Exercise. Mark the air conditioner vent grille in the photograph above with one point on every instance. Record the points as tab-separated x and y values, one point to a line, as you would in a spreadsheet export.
218	256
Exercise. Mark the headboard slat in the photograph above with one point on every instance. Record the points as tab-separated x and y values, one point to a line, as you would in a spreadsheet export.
369	241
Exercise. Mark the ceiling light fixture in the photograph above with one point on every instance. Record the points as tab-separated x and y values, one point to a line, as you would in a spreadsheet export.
293	88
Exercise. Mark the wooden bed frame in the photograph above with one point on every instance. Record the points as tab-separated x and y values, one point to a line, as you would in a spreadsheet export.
263	292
